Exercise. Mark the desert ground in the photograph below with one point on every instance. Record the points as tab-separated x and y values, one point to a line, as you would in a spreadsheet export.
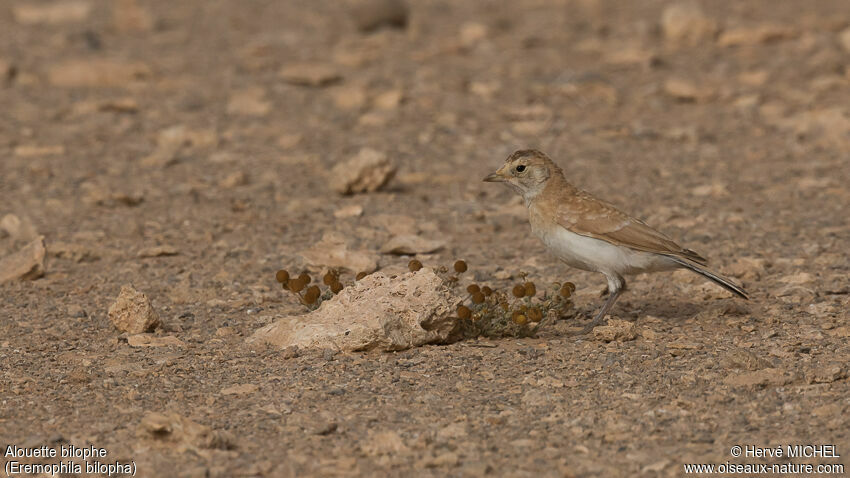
187	148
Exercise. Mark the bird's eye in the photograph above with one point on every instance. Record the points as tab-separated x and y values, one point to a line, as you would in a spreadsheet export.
520	168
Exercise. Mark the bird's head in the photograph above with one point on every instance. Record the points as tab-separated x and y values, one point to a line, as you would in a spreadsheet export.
525	171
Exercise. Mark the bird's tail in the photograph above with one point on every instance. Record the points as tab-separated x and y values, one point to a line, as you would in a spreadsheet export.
714	276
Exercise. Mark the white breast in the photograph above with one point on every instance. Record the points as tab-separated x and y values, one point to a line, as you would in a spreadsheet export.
591	254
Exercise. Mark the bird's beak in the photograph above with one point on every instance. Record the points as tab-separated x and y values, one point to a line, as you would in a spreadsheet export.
494	178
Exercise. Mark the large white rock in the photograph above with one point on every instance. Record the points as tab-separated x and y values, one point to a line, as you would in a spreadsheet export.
377	312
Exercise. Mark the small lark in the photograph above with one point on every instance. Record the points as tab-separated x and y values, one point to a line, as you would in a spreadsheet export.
591	234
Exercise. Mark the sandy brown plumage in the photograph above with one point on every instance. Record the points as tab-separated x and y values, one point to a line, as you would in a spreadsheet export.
591	234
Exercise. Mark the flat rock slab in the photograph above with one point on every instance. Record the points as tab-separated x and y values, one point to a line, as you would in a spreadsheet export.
377	312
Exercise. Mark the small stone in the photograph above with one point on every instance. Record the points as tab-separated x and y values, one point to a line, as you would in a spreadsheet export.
96	73
353	210
844	39
631	55
157	251
250	102
26	264
348	97
826	374
388	100
686	23
686	90
310	74
244	389
366	172
288	141
754	35
132	312
472	33
411	244
54	13
234	179
369	15
17	228
616	330
31	150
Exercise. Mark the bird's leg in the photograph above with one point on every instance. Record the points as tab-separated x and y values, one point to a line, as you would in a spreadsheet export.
616	286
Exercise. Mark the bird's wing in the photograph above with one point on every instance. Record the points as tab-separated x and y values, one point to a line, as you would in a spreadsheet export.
588	216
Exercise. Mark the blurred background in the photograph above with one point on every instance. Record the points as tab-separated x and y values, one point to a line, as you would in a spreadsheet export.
194	147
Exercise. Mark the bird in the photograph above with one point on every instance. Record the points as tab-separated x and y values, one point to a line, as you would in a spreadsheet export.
590	234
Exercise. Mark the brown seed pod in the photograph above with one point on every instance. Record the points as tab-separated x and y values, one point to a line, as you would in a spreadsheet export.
530	289
414	265
473	288
296	285
336	287
565	291
282	276
312	294
519	318
518	291
534	314
463	312
486	291
360	275
329	278
305	277
477	298
460	267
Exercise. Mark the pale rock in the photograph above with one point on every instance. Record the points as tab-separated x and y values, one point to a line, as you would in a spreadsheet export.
333	252
132	312
29	151
828	125
616	330
627	55
158	251
181	434
764	377
411	244
26	264
686	90
369	15
754	78
19	229
377	312
288	141
388	100
798	278
754	35
353	210
233	180
686	23
148	340
52	13
366	172
129	16
312	74
249	102
472	33
844	39
243	389
826	373
349	97
96	73
749	268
